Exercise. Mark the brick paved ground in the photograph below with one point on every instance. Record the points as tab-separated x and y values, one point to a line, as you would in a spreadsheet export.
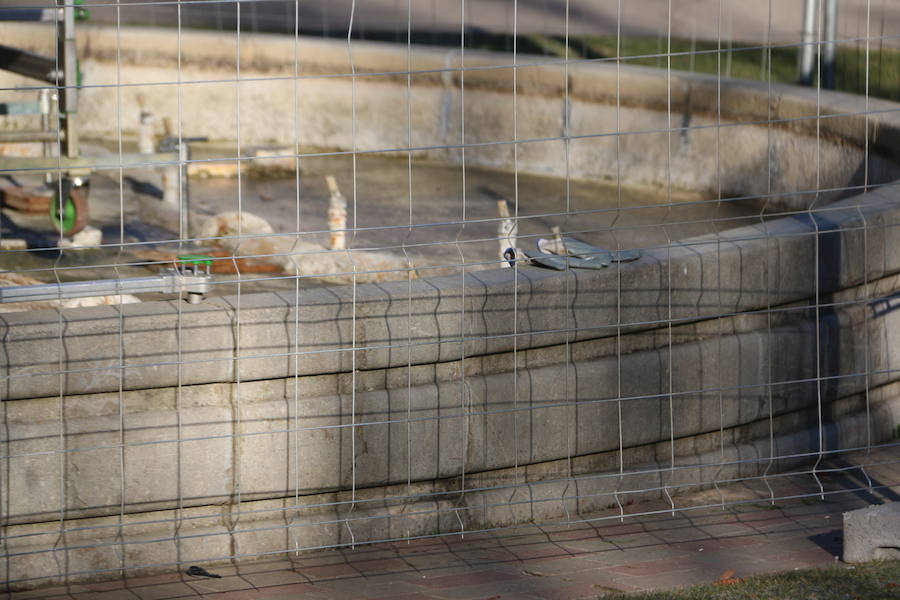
585	560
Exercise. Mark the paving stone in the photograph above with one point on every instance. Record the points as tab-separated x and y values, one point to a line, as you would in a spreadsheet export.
411	596
585	533
44	593
164	591
578	547
614	557
513	588
465	579
722	529
437	568
139	582
381	565
556	567
121	594
670	579
808	558
271	578
711	544
658	524
545	551
493	556
632	542
437	572
332	571
101	586
256	566
340	588
568	592
655	567
225	584
293	590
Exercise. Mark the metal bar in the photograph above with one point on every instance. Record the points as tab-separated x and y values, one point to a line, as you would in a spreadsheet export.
68	91
170	281
829	56
808	49
29	64
44	99
27	136
184	157
80	289
14	164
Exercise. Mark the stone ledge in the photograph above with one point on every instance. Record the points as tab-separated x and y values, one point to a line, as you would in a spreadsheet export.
761	266
263	439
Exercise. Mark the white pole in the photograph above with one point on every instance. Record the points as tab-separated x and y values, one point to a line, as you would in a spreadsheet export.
829	56
808	49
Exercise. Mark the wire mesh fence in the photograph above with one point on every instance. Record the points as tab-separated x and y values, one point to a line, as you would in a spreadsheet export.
289	275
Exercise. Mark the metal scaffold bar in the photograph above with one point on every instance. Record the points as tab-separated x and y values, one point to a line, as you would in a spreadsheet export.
16	164
191	280
29	64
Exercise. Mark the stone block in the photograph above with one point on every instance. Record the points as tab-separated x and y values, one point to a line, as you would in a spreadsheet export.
872	533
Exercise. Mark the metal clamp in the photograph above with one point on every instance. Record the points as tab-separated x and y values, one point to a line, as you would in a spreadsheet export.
192	276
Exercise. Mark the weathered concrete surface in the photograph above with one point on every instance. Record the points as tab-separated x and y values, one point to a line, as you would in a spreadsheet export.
316	433
156	541
872	533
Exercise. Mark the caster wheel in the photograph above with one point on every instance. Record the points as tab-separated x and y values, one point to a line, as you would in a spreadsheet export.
74	215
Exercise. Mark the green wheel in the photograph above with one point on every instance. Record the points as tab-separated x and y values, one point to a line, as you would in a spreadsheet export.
74	215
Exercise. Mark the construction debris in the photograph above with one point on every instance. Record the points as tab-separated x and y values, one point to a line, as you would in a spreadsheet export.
13	244
248	237
205	169
271	161
29	200
228	265
563	252
234	223
264	162
89	237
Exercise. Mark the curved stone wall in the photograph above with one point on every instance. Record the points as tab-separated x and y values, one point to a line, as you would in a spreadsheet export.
245	421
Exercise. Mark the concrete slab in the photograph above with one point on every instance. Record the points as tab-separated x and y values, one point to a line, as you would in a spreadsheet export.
872	533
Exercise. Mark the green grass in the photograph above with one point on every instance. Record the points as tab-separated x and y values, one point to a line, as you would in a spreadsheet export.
706	57
871	581
737	62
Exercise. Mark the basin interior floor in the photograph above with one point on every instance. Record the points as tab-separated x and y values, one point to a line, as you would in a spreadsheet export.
439	215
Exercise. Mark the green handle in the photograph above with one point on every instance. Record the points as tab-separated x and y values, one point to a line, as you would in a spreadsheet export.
81	14
196	259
